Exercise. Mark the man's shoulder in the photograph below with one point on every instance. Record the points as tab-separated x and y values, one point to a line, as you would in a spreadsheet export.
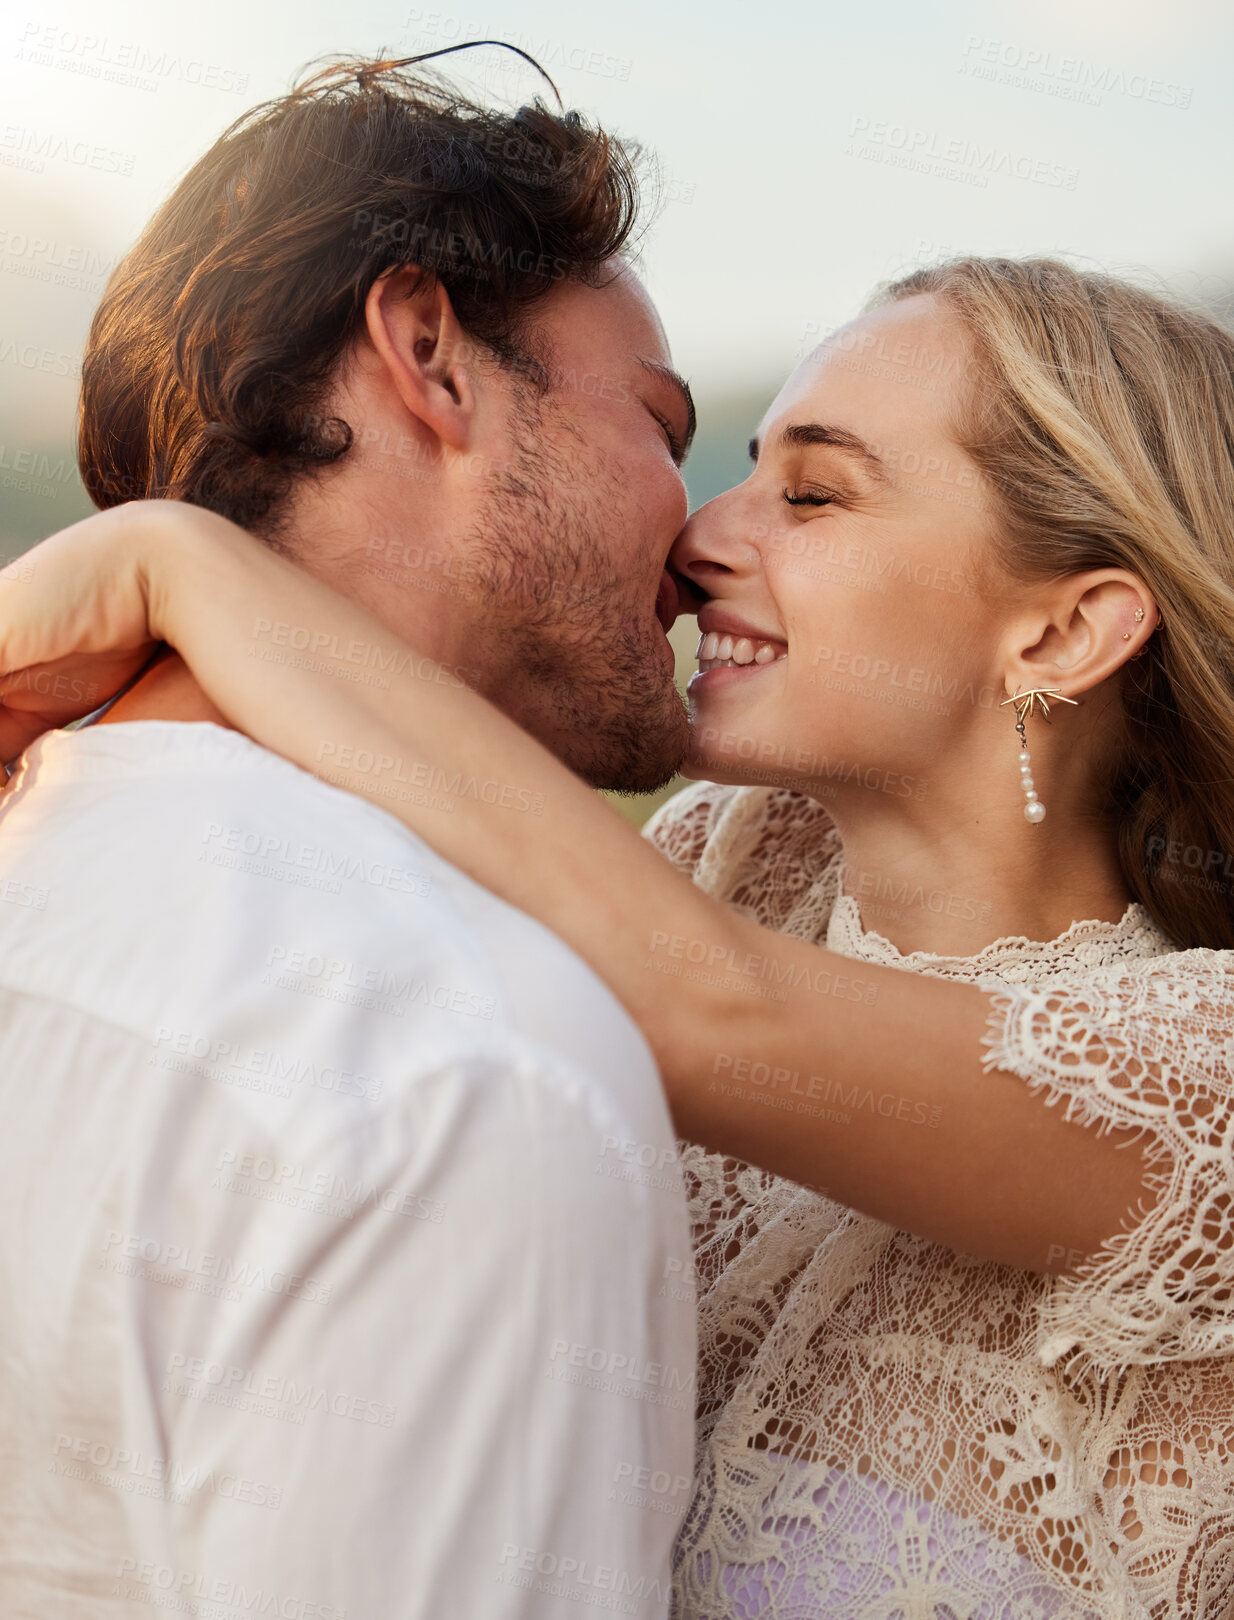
193	886
172	794
264	942
186	850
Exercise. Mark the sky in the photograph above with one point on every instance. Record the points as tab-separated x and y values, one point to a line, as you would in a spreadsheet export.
806	151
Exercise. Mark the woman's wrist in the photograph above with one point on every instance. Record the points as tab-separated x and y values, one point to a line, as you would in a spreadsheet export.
170	546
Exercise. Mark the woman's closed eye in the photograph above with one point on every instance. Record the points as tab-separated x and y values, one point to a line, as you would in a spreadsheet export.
810	497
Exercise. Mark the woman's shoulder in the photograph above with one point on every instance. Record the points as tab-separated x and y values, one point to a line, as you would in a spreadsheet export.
682	825
743	841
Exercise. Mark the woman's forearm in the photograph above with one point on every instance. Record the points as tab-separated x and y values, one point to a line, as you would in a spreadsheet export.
316	677
760	1038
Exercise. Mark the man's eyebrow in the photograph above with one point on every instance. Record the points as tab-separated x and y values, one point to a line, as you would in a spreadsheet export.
680	386
801	435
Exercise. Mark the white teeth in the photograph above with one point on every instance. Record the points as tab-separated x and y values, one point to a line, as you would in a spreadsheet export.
764	655
716	651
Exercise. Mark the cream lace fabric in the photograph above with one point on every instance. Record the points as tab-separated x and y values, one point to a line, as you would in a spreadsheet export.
893	1431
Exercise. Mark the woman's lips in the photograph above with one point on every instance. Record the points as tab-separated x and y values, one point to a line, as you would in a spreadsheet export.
712	617
721	675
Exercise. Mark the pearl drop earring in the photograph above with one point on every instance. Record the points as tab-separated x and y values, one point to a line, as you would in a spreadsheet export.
1041	696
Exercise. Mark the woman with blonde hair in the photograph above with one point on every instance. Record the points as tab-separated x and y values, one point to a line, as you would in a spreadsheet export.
965	672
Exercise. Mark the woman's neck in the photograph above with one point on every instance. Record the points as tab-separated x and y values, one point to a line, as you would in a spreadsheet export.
952	880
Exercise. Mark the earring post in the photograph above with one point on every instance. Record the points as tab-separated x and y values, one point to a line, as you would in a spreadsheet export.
1036	697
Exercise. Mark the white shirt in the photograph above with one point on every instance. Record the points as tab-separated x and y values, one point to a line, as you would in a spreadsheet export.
344	1265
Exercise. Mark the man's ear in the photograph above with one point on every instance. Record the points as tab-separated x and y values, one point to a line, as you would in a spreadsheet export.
429	360
1086	627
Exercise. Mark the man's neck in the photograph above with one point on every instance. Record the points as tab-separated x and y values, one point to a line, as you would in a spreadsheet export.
168	691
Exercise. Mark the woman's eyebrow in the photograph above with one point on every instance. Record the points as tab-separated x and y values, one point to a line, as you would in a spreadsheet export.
802	435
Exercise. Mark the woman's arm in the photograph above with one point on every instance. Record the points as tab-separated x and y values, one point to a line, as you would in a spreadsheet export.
865	1081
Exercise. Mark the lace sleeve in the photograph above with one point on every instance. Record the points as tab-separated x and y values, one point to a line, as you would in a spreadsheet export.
1150	1048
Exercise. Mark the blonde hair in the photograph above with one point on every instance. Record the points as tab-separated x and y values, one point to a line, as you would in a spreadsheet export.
1103	418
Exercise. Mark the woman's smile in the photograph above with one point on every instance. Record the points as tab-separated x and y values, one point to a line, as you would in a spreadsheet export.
729	648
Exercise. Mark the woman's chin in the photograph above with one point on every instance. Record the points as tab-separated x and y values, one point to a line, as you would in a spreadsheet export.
695	770
754	755
732	741
712	764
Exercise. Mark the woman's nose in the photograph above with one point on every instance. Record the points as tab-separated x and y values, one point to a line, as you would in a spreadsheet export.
712	544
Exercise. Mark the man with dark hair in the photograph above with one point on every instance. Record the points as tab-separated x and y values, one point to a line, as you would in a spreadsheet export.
349	1193
287	342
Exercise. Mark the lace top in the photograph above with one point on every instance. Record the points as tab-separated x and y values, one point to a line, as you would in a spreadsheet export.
1026	1445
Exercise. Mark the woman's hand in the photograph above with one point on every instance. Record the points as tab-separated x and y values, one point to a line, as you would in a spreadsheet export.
75	614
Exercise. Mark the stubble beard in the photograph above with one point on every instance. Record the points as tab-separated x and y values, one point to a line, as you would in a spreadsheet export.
576	661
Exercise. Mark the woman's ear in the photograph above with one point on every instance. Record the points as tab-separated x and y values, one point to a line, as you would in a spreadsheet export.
429	360
1088	625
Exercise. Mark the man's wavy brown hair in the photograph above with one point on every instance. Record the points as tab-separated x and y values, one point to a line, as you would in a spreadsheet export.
211	356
